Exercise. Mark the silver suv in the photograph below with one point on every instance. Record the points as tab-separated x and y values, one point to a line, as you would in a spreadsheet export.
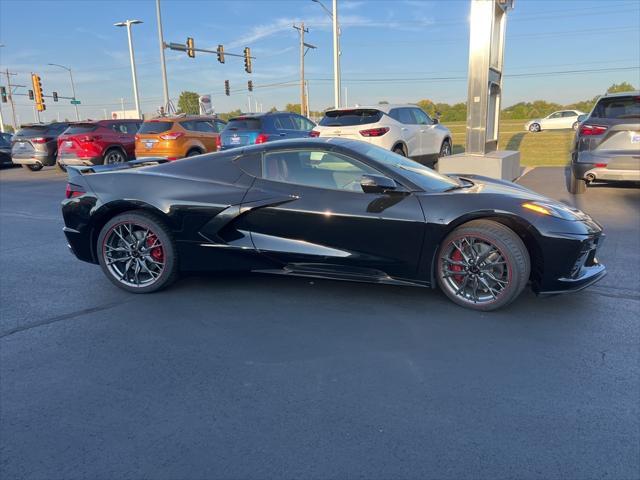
607	143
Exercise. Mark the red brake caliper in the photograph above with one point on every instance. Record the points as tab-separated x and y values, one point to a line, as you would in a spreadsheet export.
456	256
157	253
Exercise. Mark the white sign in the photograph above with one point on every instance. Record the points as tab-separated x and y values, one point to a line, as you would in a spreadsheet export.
206	107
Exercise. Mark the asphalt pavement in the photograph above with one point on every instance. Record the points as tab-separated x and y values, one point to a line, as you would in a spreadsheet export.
252	376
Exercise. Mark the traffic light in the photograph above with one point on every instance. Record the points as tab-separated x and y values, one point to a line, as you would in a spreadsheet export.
190	47
3	94
226	87
247	60
30	94
55	96
37	90
250	85
220	53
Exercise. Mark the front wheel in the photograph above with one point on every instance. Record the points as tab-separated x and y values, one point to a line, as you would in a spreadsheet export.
534	127
137	252
482	265
34	167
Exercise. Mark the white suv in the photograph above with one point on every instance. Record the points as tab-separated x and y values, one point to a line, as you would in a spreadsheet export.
403	129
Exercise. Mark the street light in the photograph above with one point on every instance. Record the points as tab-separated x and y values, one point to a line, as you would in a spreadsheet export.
336	48
73	87
128	23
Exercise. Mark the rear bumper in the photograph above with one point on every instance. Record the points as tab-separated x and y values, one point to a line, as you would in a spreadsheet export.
72	159
613	174
33	158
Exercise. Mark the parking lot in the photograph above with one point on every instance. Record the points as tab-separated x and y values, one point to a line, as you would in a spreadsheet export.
253	376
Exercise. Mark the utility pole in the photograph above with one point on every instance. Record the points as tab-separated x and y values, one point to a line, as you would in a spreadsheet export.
10	95
168	106
304	48
127	24
333	15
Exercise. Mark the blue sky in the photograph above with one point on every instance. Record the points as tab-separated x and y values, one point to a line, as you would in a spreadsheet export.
392	50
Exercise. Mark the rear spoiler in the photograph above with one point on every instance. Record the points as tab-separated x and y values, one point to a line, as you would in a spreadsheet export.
75	171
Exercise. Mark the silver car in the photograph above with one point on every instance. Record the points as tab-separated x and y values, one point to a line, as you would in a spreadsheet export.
607	143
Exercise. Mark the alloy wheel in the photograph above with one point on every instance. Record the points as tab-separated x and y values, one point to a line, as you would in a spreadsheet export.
114	156
133	254
475	270
445	150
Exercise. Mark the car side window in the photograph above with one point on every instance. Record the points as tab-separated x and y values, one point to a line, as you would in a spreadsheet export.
191	126
405	115
315	168
421	117
301	123
205	126
283	122
555	115
568	114
220	126
119	128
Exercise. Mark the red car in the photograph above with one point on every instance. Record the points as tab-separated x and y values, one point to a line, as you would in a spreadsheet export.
97	142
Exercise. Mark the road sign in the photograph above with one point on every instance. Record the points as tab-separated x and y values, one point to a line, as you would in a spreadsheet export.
75	102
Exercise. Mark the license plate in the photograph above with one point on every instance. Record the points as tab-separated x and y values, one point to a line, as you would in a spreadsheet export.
235	139
635	138
68	143
148	144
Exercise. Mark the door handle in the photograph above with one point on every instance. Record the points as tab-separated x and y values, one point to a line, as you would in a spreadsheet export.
404	129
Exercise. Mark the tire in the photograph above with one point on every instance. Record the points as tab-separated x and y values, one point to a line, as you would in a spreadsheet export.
445	149
399	150
34	167
193	153
113	156
534	127
575	126
61	168
577	186
482	255
131	236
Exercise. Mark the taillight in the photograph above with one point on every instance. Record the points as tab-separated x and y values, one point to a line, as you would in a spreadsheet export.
171	159
600	165
73	190
587	130
263	137
40	139
314	133
137	138
374	132
87	139
171	135
218	143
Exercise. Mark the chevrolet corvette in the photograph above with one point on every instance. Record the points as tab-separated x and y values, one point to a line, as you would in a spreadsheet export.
329	208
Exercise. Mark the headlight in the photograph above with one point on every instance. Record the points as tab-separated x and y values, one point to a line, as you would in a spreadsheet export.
557	210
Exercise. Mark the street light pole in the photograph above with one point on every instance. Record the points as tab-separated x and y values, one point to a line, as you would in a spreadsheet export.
73	87
128	23
336	49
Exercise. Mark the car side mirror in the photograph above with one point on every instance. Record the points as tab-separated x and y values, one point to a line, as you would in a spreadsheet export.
377	184
435	121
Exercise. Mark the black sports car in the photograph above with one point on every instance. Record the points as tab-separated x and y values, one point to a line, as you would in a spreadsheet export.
330	208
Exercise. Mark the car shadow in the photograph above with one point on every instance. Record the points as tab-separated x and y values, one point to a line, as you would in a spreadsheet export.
515	141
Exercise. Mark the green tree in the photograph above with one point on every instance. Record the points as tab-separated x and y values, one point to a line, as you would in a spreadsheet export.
292	107
188	103
620	87
226	116
8	128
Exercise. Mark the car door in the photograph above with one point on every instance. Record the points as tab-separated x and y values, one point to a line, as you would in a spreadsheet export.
316	216
208	133
552	121
302	125
569	117
284	127
430	140
409	130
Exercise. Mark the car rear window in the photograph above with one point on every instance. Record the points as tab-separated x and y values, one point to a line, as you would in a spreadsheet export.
155	127
345	118
244	124
75	129
617	107
34	130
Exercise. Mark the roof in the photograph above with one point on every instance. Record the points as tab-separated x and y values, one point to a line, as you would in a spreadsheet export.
633	93
383	107
173	118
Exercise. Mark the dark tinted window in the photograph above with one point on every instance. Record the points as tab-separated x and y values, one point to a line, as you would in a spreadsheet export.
189	125
343	118
4	142
76	129
301	123
283	122
33	131
244	123
427	179
402	115
617	107
205	126
220	125
155	127
119	128
421	117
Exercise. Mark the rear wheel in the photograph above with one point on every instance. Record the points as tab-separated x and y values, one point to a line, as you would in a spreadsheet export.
194	152
34	167
577	186
482	265
445	149
112	156
399	150
137	252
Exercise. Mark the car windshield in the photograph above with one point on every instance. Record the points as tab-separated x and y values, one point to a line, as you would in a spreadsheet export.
424	177
244	123
75	129
345	118
618	107
155	127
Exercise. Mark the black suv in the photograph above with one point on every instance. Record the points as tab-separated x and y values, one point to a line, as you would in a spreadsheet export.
607	142
36	145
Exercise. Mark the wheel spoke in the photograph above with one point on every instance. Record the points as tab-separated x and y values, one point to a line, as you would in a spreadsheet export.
462	286
489	289
455	262
497	280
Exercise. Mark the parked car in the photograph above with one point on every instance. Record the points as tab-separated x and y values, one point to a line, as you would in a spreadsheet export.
403	129
98	142
330	208
607	144
5	149
554	121
178	137
36	145
253	128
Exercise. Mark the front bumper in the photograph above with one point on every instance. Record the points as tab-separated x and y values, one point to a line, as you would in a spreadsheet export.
587	277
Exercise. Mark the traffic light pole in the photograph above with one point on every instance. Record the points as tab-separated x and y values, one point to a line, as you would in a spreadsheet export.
10	94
